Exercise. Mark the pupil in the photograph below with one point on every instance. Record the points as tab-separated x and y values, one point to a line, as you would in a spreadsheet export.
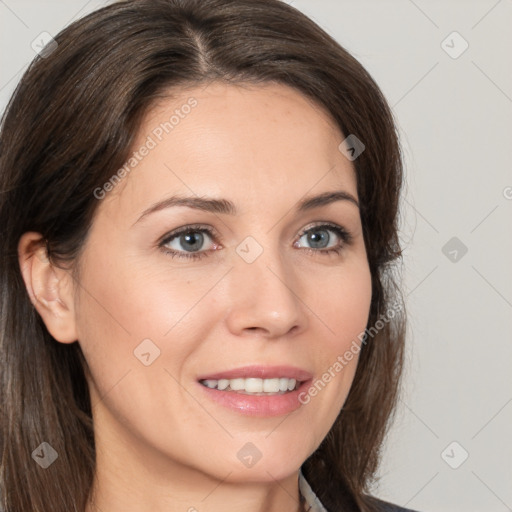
195	240
316	240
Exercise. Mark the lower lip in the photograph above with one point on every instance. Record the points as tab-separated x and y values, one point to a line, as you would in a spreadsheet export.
258	405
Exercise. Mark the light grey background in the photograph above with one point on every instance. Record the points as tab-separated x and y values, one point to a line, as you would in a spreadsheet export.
455	119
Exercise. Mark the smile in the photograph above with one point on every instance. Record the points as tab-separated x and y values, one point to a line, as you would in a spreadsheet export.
253	385
257	390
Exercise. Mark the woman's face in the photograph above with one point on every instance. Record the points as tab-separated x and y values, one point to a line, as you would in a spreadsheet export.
266	292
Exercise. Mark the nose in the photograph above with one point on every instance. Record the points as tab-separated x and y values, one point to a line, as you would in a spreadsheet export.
265	297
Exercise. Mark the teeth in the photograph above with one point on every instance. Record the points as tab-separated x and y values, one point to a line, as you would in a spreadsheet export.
283	384
237	384
253	385
270	385
223	384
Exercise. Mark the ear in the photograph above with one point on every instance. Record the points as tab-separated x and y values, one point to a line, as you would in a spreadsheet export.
50	287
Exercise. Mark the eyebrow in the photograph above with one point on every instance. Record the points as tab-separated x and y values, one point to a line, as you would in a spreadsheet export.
227	207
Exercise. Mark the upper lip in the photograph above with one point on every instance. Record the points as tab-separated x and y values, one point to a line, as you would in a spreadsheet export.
262	372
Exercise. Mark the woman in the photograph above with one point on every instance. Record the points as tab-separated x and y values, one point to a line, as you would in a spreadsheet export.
199	310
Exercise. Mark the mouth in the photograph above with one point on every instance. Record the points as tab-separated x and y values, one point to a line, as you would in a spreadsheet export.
257	390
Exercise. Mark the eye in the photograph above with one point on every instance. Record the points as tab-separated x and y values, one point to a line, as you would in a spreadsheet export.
188	242
319	237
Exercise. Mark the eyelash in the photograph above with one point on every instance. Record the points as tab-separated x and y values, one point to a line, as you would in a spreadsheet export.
343	234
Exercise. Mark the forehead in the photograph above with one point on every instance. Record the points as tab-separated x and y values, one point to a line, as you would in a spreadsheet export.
244	143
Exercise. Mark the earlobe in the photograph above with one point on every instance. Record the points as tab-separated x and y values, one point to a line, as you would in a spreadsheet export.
50	288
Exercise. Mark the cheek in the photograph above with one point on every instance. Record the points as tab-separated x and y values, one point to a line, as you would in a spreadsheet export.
343	304
130	300
131	313
127	315
343	307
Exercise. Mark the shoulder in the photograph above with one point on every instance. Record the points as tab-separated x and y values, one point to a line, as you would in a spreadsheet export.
385	506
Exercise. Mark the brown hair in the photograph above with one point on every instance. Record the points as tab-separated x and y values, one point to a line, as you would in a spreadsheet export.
70	124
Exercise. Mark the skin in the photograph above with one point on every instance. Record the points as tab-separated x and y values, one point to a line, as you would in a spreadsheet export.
162	445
